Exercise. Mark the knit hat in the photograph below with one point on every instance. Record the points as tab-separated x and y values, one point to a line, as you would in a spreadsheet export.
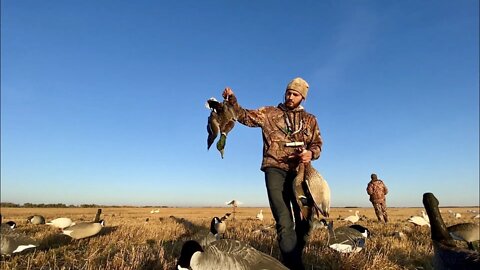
300	85
373	176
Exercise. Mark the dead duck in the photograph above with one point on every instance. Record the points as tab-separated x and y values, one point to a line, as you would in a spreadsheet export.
468	232
221	120
84	229
312	192
225	254
446	254
36	219
345	239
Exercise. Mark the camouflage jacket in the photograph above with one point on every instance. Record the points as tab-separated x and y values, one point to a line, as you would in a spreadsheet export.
377	190
280	126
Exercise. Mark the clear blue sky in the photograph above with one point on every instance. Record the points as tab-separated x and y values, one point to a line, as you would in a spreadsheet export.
103	101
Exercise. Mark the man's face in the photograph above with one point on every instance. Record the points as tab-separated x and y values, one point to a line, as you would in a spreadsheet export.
292	99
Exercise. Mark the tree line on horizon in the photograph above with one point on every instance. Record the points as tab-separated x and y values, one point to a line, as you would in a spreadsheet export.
62	205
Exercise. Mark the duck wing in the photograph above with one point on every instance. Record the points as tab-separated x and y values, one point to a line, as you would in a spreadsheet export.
318	189
299	188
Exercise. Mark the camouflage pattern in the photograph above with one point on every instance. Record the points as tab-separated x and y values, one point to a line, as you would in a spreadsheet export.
377	191
381	210
276	132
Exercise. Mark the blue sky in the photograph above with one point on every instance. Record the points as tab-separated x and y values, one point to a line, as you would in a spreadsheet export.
103	101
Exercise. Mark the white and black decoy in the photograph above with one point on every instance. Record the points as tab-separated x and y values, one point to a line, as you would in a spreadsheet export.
345	239
468	232
14	242
9	225
61	223
312	192
221	120
354	218
446	254
363	230
84	229
36	219
225	254
217	230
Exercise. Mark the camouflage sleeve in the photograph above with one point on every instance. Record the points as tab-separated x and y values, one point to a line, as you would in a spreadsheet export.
250	118
315	145
370	189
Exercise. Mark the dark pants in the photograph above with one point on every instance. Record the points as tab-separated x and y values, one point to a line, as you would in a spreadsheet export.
292	236
380	210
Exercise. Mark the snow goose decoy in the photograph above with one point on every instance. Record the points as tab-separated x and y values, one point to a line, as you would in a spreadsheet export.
61	223
354	218
260	215
36	219
446	254
84	229
312	192
468	232
225	254
419	221
345	239
457	215
221	120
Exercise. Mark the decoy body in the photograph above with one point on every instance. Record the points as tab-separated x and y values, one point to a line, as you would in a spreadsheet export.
363	230
312	192
354	218
84	229
225	254
345	239
217	230
221	120
419	221
446	254
61	223
13	242
260	215
468	232
36	219
9	225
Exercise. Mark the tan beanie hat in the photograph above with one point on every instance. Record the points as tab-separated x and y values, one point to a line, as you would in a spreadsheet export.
300	85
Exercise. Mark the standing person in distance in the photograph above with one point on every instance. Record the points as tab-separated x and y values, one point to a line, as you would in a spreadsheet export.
290	136
377	191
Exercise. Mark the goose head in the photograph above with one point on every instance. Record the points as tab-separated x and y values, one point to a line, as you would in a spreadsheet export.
189	248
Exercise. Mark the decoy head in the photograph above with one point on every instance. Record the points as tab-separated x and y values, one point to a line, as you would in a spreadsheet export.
188	249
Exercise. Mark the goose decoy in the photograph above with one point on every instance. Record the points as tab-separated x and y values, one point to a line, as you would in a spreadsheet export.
446	254
458	215
316	224
425	216
84	229
97	216
363	230
225	254
221	120
419	221
36	219
345	239
468	232
260	215
354	218
217	230
9	225
312	192
13	242
61	223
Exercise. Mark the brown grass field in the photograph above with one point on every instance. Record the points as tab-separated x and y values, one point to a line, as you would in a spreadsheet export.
128	241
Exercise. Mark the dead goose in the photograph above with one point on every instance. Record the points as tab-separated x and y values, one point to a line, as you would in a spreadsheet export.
222	119
36	219
84	229
447	255
312	192
345	239
225	254
61	223
468	232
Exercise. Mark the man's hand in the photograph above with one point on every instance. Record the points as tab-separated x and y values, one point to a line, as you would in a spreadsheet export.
227	92
303	155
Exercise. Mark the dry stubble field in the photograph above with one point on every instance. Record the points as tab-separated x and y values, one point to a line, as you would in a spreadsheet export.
130	242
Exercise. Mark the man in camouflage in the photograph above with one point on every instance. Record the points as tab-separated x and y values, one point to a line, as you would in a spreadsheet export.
377	191
290	136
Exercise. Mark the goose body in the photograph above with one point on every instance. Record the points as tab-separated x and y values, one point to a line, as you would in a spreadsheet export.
13	242
225	254
363	230
468	232
420	221
61	223
345	239
312	192
36	219
446	254
7	226
353	218
316	224
84	229
221	120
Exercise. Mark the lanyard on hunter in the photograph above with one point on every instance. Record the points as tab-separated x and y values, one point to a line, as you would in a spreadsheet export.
290	131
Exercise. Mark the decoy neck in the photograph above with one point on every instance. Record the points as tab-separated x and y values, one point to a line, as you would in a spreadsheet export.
437	225
188	249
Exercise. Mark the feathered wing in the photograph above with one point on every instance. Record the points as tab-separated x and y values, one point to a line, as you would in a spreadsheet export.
303	202
319	190
213	128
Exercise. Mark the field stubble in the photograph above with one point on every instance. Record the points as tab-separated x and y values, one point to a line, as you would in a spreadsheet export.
129	241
